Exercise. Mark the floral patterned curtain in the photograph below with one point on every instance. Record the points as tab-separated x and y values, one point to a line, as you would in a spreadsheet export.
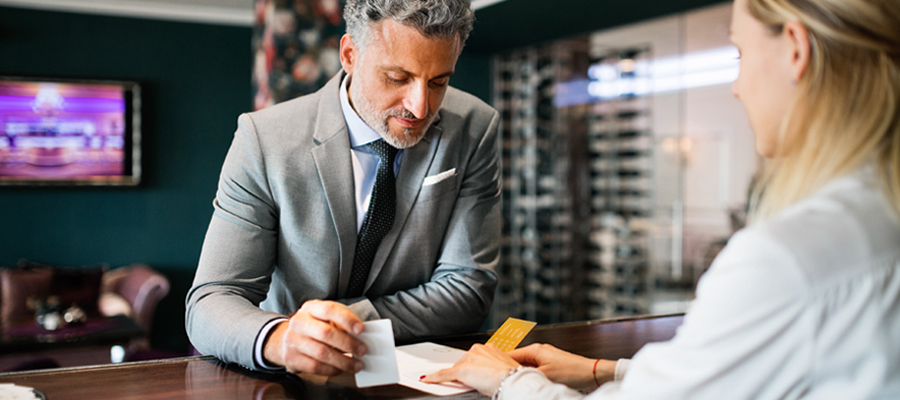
295	48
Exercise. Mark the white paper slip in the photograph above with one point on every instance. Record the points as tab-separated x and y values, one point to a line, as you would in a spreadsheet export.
420	359
9	391
380	361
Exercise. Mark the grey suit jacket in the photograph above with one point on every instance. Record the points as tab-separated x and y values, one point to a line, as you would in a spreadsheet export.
284	226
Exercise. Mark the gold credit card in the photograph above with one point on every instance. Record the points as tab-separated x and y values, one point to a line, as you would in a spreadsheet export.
511	333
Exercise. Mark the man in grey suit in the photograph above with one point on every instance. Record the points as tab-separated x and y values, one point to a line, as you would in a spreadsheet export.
375	197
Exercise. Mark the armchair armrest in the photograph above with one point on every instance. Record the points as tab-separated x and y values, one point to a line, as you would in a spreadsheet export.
141	287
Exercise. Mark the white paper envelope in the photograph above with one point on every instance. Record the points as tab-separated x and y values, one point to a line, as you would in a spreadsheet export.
380	361
426	358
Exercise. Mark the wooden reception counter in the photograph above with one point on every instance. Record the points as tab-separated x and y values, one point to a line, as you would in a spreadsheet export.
209	378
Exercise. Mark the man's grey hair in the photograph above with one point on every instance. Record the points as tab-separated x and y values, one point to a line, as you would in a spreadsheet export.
433	18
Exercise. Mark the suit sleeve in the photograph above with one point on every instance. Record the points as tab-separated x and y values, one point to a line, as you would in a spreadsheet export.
458	297
223	317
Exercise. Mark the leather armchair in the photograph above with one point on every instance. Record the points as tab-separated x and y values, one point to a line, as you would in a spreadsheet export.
141	287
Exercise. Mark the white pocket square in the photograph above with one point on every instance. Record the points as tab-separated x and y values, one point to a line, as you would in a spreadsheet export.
431	180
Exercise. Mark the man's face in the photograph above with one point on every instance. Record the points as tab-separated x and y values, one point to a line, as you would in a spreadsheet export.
399	80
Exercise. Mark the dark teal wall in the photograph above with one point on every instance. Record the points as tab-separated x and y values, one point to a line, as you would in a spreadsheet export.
473	75
195	80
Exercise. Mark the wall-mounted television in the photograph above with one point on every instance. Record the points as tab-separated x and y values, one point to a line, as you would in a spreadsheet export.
69	132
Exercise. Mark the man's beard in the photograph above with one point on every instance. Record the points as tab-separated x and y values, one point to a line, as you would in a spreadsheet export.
378	121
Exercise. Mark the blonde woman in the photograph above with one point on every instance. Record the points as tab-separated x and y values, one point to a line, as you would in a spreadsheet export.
805	302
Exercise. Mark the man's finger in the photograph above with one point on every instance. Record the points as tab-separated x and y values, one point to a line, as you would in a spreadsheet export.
327	355
297	363
327	333
334	312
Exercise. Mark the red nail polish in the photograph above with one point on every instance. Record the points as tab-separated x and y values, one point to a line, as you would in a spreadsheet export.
422	377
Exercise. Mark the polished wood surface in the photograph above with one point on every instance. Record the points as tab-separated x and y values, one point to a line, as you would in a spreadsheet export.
208	378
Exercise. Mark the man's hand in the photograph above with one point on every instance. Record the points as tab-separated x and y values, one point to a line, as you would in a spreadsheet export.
315	340
560	366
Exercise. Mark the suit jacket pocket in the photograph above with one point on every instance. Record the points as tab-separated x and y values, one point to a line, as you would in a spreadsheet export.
436	191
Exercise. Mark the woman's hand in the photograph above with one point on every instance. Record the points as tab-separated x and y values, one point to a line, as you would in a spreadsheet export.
560	366
482	368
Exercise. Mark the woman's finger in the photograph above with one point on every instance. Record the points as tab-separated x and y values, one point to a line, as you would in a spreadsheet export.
444	375
526	355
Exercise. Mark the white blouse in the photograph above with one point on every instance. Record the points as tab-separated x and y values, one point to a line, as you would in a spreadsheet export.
803	305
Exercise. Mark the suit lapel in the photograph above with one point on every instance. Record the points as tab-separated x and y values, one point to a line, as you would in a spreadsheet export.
334	165
332	157
415	164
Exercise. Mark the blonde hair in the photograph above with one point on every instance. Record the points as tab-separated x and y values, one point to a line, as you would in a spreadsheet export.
846	114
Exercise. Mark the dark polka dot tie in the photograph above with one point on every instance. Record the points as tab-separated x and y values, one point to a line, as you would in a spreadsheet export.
379	218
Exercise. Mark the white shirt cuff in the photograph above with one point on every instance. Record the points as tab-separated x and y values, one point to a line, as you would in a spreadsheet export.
260	342
621	369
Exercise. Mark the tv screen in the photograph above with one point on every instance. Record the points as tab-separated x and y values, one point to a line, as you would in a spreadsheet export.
68	132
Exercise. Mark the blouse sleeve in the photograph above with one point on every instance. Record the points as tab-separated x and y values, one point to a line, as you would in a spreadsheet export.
745	336
529	383
745	329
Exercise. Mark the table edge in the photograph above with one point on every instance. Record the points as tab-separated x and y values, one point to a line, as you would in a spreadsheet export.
55	371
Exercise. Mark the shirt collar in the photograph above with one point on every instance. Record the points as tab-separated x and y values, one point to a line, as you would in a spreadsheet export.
360	133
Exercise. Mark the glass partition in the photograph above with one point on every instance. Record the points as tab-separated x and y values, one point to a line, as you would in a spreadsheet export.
625	163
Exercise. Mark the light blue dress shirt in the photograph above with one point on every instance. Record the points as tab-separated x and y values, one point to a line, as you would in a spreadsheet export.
365	161
365	168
